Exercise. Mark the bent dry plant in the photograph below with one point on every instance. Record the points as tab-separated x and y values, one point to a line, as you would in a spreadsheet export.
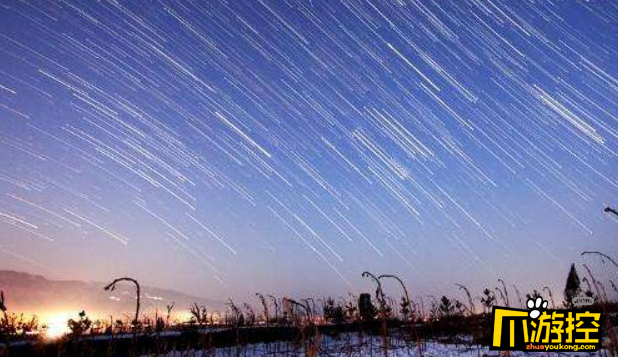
3	307
310	334
551	296
274	299
613	348
6	327
264	308
506	293
602	255
383	309
611	210
521	304
501	295
472	308
199	314
169	308
112	286
406	303
353	318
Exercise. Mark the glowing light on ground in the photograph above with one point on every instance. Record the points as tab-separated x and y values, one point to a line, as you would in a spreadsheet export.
57	325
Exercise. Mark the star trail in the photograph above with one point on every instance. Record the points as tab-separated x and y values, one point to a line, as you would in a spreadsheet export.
232	146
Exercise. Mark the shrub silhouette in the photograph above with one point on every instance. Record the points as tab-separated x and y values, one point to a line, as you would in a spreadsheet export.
488	300
80	326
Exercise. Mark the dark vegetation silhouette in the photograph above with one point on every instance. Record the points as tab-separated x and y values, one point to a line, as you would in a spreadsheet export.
572	287
377	322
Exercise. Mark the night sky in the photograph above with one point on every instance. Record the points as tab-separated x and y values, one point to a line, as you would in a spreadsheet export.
227	147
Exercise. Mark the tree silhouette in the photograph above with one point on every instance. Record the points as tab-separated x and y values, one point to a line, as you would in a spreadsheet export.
488	300
572	287
81	325
446	307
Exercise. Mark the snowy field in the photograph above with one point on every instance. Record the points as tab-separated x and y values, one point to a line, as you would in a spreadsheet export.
431	350
350	346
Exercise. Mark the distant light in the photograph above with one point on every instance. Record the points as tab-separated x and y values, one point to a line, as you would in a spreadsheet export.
57	325
158	298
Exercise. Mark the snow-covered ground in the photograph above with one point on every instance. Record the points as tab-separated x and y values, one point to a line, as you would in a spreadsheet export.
348	345
351	346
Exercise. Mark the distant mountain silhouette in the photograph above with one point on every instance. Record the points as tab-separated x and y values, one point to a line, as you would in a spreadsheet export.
36	294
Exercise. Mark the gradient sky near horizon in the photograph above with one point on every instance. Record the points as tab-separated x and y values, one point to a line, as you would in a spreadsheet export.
227	147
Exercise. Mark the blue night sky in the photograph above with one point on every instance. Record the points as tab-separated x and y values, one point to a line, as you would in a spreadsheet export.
227	147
